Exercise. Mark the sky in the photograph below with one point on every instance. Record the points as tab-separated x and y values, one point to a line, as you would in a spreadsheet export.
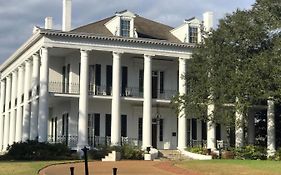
17	17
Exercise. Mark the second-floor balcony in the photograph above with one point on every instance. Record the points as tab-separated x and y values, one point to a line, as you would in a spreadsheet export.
134	92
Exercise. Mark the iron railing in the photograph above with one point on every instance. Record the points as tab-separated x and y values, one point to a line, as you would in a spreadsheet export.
73	88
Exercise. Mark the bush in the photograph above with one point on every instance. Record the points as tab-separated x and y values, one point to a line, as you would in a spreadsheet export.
227	155
33	150
277	155
131	152
251	152
197	150
127	152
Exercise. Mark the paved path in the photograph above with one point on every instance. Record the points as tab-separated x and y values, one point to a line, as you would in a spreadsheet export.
124	168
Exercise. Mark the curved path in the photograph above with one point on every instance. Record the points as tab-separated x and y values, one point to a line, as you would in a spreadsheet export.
124	168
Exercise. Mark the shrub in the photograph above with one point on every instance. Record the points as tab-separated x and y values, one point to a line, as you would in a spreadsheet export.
33	150
277	155
127	152
131	152
250	152
227	155
197	150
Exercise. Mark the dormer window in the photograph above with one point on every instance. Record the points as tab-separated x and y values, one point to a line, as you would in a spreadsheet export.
125	27
193	34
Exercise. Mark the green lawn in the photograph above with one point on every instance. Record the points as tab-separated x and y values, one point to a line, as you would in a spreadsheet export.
233	167
23	168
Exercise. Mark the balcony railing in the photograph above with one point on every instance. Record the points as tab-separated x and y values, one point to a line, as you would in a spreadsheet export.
73	88
93	141
63	88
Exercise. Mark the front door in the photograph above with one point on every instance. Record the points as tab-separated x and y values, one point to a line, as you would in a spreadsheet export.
154	134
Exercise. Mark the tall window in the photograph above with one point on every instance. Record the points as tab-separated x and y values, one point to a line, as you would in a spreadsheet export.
125	27
124	125
193	34
141	81
140	129
161	123
108	79
107	124
124	79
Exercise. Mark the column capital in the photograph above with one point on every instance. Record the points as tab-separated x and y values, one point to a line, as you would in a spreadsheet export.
117	53
27	61
148	55
35	55
85	50
20	68
43	50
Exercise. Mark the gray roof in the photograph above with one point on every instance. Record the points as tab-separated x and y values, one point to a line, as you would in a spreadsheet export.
144	27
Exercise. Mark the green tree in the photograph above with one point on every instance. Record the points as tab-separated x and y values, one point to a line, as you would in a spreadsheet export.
238	63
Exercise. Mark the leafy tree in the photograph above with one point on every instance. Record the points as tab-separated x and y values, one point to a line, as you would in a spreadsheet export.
238	64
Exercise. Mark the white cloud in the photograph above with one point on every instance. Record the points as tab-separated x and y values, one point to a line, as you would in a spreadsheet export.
18	17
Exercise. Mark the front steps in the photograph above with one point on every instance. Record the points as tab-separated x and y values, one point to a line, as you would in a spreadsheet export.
113	156
171	154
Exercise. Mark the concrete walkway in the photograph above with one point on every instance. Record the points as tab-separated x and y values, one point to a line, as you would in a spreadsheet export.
124	168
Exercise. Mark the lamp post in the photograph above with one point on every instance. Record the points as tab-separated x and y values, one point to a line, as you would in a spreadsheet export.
86	160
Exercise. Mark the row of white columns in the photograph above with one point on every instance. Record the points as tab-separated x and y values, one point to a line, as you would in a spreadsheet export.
18	123
115	106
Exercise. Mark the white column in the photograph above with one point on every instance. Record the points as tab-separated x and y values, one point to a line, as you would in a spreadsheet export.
270	128
251	127
211	128
83	101
34	102
26	112
199	129
182	134
19	108
7	116
2	101
115	107
43	97
239	132
13	112
147	104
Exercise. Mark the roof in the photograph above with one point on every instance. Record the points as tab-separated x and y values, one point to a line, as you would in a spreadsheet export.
144	27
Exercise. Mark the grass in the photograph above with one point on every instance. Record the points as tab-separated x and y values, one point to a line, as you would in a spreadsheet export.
233	167
23	167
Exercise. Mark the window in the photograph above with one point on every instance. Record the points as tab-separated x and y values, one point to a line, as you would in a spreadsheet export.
124	79
204	130
97	124
124	125
107	124
194	129
141	81
140	129
65	78
161	82
125	27
193	34
108	79
97	78
218	131
161	123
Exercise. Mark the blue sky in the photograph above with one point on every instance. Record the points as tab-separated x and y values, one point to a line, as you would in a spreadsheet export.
17	17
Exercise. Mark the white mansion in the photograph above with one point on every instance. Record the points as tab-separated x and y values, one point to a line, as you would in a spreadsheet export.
108	82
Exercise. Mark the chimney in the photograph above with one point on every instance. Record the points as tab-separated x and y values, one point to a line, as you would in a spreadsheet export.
48	22
208	21
66	15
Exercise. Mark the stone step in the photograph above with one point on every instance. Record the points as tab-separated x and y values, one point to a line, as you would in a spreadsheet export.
170	154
